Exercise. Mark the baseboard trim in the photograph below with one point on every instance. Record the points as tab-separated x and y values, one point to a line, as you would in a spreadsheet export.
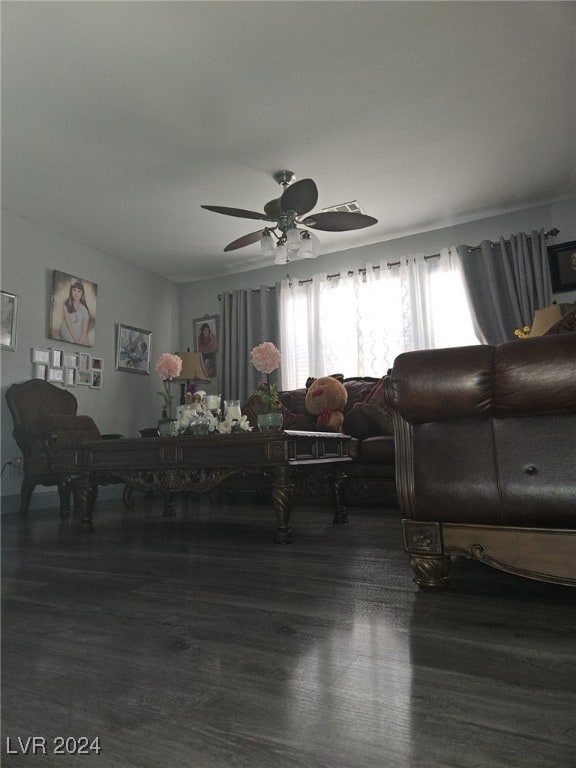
10	504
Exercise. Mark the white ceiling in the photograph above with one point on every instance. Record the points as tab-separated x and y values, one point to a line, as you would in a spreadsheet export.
119	119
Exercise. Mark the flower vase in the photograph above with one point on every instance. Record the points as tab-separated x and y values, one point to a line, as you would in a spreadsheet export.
270	422
167	427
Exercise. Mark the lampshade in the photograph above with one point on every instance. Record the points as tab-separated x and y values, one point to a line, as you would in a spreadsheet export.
193	366
546	317
267	245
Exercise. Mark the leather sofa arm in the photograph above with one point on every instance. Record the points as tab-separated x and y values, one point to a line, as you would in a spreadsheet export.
513	379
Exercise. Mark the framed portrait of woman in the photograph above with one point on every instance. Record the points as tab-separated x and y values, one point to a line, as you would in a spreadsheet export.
72	309
206	334
562	259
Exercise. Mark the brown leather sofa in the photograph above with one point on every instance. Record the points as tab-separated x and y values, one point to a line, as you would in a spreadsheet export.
368	418
486	457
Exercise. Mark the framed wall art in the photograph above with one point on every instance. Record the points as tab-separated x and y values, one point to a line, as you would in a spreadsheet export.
70	377
72	309
39	371
41	356
83	378
206	334
209	360
83	362
96	380
9	314
56	375
70	360
133	349
97	364
57	358
562	260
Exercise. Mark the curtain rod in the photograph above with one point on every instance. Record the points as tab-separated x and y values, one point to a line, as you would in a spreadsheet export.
361	271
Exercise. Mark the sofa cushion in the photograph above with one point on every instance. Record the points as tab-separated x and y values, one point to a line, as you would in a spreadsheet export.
379	450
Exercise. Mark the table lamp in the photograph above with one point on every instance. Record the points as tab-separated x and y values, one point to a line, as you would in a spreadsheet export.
193	371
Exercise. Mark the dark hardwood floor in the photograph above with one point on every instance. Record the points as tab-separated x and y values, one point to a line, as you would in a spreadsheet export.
195	641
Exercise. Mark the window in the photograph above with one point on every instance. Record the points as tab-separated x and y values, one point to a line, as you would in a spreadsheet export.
358	324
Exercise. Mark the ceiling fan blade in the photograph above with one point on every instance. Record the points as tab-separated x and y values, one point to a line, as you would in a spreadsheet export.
240	212
339	221
273	208
301	197
253	237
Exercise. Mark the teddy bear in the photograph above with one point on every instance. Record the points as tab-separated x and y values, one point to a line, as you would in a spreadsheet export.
326	398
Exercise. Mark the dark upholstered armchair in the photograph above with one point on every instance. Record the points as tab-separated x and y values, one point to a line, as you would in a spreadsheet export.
42	412
486	457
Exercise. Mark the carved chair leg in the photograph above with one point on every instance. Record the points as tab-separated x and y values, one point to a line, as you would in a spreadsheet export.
65	493
431	571
26	491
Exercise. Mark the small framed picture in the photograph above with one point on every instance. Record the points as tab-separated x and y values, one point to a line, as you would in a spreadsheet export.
562	260
9	312
70	360
96	380
206	334
97	364
56	375
41	356
57	358
39	371
209	360
83	362
83	378
133	349
70	377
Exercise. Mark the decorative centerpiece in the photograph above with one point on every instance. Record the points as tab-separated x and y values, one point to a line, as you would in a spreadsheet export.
168	368
266	358
203	420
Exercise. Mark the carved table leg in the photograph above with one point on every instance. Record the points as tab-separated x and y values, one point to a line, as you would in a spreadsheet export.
431	571
282	495
85	493
340	516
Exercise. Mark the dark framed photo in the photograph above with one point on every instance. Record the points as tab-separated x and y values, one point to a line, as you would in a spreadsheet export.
209	360
206	334
133	349
72	309
9	311
562	260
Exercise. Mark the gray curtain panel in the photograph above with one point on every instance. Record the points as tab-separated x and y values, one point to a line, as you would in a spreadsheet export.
248	318
506	283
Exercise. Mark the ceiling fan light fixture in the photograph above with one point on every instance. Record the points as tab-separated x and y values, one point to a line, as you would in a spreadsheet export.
310	246
267	246
293	238
281	254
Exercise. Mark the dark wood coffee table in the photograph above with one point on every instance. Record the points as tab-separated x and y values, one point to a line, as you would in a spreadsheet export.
199	464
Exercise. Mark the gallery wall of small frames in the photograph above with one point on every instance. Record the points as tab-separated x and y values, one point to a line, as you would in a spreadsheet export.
70	369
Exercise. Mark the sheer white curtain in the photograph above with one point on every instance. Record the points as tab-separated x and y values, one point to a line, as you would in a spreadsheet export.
356	324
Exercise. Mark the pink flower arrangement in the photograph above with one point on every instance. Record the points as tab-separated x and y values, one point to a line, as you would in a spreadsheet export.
266	357
169	366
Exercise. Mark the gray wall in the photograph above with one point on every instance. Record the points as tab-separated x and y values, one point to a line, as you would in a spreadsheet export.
132	296
127	402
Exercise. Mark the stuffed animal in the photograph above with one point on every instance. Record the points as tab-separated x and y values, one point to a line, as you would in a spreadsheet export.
326	398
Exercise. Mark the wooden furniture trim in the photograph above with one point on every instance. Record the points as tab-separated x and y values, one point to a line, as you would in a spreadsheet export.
543	554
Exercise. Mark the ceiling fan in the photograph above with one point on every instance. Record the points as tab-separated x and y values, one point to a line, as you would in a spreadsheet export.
286	213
